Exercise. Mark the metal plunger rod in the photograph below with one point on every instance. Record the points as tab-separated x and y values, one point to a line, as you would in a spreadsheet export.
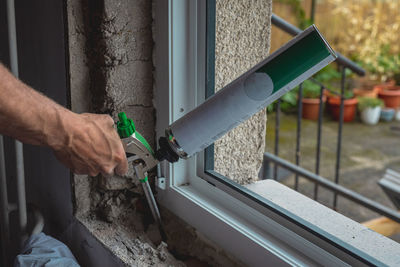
152	202
148	193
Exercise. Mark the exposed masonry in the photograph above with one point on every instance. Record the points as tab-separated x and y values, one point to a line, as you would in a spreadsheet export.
110	47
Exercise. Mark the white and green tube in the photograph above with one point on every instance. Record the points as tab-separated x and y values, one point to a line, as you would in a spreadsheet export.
282	71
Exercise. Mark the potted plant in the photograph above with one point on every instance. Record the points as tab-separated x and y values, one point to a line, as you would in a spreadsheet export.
311	100
390	93
391	97
349	104
370	109
387	69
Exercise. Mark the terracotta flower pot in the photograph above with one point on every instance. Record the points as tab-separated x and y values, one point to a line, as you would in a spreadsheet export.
358	92
390	95
349	110
311	108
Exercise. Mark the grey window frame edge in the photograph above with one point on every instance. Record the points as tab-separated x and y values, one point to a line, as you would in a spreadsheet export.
296	244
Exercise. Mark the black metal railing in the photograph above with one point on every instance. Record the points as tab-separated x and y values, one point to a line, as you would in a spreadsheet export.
344	64
338	189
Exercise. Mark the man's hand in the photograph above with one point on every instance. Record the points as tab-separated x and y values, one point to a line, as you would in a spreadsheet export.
90	145
86	143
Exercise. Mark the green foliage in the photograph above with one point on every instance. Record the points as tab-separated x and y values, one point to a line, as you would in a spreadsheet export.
348	94
311	90
288	102
290	98
330	77
270	107
386	65
368	102
299	12
328	74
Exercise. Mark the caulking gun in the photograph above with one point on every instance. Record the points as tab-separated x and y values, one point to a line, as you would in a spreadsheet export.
297	60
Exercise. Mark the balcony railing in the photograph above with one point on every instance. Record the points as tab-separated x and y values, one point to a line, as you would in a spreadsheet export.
344	64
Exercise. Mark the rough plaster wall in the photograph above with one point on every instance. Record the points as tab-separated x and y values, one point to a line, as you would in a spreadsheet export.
110	47
111	59
242	39
110	50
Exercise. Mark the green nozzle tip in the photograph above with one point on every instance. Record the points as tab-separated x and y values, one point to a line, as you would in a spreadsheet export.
122	118
125	126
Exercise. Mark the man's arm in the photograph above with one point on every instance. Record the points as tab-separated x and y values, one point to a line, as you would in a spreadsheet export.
86	143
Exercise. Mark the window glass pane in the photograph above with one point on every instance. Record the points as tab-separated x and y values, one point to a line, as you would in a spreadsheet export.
238	37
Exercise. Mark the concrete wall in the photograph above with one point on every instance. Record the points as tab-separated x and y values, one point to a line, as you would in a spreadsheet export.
242	39
111	70
111	59
110	47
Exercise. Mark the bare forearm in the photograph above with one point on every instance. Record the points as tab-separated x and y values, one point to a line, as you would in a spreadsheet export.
27	115
86	143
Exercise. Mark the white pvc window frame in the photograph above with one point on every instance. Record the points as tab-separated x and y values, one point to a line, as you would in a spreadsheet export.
255	230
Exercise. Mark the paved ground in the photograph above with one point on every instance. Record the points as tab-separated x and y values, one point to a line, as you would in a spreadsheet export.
367	151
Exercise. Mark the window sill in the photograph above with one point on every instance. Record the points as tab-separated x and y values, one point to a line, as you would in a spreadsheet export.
256	238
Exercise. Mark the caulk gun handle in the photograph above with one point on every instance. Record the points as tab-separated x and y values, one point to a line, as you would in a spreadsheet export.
165	151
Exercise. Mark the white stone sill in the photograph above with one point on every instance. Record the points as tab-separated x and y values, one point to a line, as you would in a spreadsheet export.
353	235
